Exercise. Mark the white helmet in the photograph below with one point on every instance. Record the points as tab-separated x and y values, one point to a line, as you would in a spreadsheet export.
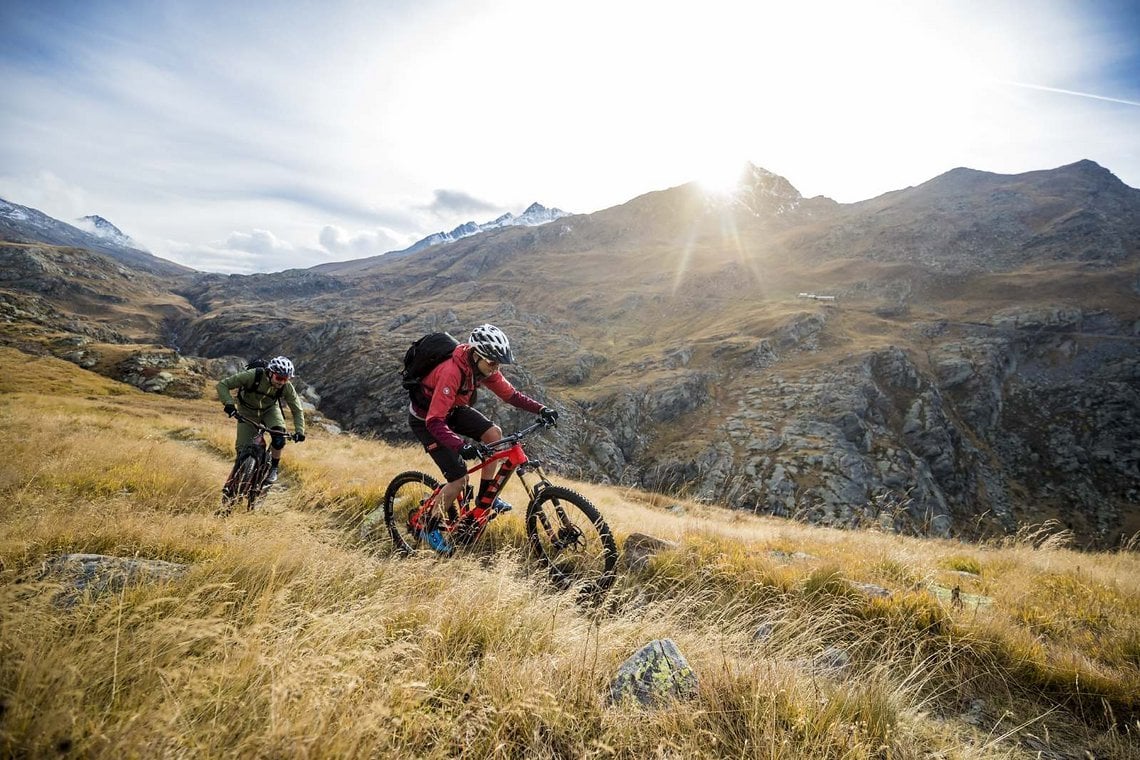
492	344
279	365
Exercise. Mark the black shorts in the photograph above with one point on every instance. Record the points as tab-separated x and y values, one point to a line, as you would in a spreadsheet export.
463	420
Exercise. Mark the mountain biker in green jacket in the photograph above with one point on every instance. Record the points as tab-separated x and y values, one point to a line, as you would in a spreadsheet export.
259	394
450	388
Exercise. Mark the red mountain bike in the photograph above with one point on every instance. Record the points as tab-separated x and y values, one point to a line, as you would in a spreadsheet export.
565	532
247	478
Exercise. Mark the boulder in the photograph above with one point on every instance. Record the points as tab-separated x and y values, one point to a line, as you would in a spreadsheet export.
99	574
654	675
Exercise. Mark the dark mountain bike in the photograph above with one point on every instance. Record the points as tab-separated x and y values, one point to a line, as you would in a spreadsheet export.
247	480
565	532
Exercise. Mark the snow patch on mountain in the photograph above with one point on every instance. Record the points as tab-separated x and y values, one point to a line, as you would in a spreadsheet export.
24	224
101	228
535	215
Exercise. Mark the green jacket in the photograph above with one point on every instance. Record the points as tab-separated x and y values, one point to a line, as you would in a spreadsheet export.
258	400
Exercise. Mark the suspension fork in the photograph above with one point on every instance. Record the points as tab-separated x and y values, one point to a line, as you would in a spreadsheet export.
562	535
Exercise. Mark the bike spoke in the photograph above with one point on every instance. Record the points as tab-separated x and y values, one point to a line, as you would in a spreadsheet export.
570	538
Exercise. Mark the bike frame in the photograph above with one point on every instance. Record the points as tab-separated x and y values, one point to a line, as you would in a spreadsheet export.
514	460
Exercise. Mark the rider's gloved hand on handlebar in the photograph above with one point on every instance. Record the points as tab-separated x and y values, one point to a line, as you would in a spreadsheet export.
548	416
471	450
230	410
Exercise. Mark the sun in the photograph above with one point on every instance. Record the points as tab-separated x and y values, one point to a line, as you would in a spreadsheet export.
721	177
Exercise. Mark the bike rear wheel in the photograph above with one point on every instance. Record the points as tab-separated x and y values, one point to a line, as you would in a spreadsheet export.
404	496
571	540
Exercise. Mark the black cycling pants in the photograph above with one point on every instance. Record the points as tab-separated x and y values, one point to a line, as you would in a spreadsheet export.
463	420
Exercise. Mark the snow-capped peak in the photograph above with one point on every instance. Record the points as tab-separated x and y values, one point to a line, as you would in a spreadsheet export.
101	228
534	215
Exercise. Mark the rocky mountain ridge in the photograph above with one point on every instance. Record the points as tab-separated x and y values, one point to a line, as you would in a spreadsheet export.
534	215
22	224
103	228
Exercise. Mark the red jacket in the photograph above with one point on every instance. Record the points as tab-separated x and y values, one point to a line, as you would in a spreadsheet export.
452	383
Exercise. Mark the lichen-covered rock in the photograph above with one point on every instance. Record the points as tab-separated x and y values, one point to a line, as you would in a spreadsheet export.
98	574
654	675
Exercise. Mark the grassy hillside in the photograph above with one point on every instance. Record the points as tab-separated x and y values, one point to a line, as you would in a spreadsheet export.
288	637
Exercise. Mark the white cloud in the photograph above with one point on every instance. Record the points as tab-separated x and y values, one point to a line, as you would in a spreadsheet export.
341	244
244	253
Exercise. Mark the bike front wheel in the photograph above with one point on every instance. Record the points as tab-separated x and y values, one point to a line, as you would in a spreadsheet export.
258	487
405	494
243	479
570	539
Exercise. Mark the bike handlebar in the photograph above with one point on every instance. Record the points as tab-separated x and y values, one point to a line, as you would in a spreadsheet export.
510	440
261	428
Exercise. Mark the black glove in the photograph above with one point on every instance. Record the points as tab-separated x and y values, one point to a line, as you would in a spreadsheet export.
298	437
547	415
230	410
471	450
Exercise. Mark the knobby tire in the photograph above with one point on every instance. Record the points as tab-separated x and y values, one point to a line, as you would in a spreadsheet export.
570	539
257	486
243	479
405	494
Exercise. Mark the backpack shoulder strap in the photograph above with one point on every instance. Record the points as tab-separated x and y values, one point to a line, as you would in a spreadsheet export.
259	373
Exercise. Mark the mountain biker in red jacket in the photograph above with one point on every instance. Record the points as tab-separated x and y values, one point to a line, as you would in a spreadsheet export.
451	388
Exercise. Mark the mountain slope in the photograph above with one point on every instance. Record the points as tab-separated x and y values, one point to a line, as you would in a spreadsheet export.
21	224
671	324
263	633
977	371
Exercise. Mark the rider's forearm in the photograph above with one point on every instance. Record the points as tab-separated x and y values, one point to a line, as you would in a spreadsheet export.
524	402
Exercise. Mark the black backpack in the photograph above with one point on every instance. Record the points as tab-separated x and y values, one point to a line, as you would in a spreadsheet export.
424	355
260	365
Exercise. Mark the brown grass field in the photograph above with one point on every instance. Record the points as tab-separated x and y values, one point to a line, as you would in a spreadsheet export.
290	637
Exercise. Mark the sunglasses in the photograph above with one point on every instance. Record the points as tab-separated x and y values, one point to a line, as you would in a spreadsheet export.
493	365
278	378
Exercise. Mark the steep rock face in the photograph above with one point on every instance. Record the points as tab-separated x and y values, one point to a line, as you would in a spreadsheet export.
991	429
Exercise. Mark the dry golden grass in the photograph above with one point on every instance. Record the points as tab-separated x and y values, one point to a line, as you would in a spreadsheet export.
289	637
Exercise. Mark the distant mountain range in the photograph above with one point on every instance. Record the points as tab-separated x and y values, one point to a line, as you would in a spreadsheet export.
536	214
22	224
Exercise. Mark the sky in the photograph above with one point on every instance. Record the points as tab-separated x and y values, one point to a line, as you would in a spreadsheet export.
259	136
